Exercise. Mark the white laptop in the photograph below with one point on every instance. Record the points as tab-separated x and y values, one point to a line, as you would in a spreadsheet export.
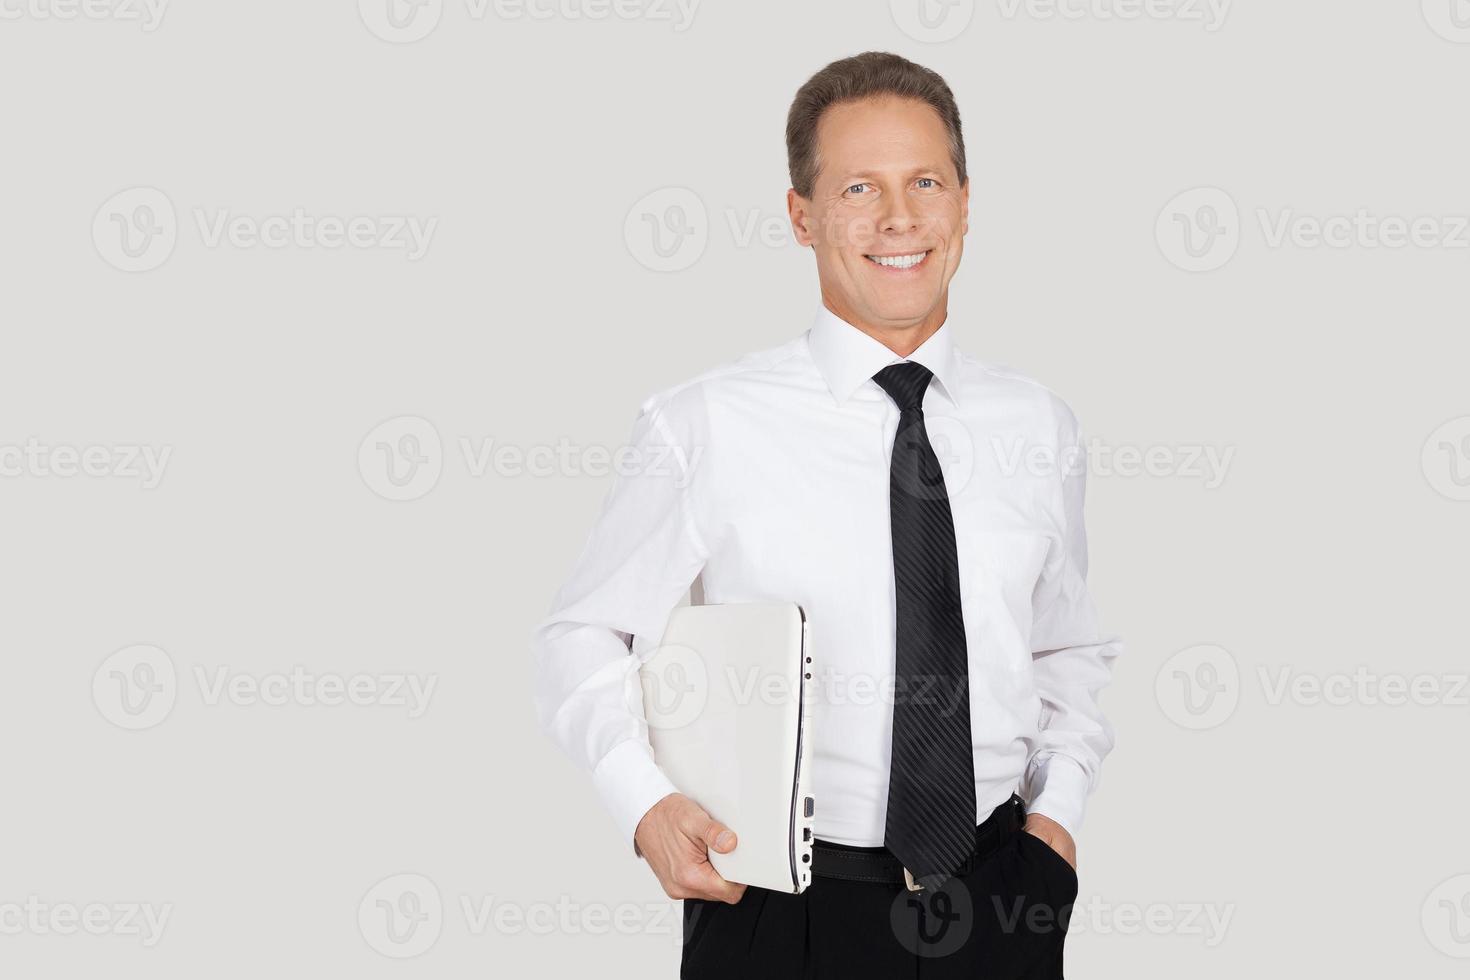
724	694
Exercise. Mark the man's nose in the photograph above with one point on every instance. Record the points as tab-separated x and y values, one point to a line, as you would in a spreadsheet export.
897	217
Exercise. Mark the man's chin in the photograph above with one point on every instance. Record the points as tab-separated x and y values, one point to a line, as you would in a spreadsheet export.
902	309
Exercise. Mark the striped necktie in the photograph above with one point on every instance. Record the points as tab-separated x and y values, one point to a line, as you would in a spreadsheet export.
930	825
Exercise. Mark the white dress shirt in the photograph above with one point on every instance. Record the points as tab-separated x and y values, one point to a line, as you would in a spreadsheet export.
767	478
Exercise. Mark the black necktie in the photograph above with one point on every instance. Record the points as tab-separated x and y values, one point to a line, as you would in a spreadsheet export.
930	825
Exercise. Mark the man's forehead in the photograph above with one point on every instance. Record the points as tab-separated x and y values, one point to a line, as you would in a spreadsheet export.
877	132
884	154
890	111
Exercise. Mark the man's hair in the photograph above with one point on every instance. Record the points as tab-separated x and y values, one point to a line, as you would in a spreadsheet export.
868	75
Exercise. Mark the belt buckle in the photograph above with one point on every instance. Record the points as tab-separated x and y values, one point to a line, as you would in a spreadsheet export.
908	879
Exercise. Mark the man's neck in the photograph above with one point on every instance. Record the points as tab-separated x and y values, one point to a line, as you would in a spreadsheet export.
904	338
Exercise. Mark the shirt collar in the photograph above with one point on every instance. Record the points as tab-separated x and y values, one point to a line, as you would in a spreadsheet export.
848	357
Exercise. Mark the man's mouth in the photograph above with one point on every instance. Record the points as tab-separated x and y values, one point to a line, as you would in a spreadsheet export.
907	260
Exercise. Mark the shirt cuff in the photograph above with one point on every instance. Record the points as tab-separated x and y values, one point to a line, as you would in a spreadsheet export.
630	783
1058	789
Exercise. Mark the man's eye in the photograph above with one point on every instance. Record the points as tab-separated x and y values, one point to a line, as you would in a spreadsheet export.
856	188
927	182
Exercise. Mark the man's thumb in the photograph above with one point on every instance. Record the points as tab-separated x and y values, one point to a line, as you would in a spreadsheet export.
718	837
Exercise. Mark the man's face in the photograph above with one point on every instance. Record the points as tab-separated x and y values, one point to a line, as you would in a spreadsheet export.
887	216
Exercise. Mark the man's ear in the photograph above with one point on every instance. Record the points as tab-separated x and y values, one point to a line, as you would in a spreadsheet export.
965	207
796	210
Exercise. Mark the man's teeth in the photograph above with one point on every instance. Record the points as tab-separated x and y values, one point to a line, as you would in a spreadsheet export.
899	261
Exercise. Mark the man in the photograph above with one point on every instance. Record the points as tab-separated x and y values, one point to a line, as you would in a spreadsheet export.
957	655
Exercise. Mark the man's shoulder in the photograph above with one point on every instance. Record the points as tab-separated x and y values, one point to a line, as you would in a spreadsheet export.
996	380
726	377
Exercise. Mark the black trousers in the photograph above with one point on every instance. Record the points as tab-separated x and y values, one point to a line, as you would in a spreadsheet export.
1005	920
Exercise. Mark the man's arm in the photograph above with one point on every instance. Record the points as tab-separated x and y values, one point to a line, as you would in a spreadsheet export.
636	565
1072	661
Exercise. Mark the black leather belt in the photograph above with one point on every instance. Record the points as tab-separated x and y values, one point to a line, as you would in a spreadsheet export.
878	866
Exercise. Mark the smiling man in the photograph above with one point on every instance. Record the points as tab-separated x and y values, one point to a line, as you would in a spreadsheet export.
868	470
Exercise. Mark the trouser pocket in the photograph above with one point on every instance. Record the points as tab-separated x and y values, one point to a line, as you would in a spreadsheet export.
717	935
1058	879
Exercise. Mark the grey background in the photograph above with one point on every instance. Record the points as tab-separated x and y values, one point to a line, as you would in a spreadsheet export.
1328	836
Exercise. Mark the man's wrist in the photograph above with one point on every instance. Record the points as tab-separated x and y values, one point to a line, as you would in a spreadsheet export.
638	851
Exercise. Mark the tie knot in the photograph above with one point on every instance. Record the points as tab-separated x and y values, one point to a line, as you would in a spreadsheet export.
905	383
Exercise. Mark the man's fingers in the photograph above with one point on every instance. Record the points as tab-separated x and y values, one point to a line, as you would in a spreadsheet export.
708	831
1061	843
716	836
705	882
730	892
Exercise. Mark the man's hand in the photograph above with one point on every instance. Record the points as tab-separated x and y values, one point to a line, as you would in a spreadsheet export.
1054	835
675	838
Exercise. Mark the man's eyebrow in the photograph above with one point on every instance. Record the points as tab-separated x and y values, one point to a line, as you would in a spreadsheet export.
927	168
